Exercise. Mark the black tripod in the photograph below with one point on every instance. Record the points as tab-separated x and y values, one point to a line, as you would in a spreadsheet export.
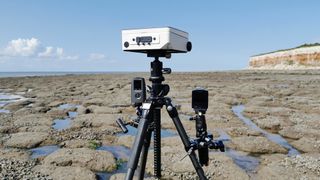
149	120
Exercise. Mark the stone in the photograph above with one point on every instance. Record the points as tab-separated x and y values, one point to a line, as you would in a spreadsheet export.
79	143
83	110
298	131
57	113
306	166
256	144
242	131
119	176
125	140
94	160
220	166
18	105
55	103
267	111
6	129
271	123
94	120
26	139
103	110
66	172
94	101
34	129
13	153
307	145
32	120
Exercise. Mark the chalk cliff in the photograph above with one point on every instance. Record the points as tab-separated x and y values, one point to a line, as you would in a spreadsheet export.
303	57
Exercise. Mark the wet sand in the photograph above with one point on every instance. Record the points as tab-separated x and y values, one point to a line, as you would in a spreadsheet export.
64	126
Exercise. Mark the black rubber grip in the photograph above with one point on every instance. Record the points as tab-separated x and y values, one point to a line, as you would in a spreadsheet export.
122	125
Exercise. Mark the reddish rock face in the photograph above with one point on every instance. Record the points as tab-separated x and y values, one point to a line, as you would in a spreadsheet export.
301	58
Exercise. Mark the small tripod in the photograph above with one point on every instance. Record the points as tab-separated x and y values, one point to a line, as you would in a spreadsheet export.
149	120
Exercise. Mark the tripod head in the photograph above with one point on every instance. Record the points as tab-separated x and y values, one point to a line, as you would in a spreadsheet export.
158	89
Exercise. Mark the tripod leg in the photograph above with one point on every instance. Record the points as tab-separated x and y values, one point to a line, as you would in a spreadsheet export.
173	113
144	155
157	142
137	145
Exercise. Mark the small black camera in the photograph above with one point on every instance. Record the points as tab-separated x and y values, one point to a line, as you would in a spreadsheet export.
200	100
138	91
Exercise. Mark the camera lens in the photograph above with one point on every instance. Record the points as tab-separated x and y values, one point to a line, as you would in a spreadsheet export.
138	95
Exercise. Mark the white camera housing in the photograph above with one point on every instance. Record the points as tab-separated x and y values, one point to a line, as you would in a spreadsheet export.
152	40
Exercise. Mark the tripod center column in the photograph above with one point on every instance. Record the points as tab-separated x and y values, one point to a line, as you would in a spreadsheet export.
156	95
156	77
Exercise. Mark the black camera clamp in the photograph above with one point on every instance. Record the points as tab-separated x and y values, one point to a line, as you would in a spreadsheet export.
149	120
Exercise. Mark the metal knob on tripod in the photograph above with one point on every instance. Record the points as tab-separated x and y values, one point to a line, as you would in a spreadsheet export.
161	42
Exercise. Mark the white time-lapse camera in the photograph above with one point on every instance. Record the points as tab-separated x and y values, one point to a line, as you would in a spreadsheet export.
156	42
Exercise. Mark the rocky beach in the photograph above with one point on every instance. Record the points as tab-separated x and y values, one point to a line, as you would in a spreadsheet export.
63	127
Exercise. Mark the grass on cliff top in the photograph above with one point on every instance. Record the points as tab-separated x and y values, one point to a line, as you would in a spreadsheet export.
301	46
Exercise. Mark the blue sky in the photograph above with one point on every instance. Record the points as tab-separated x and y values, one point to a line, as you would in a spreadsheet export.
78	35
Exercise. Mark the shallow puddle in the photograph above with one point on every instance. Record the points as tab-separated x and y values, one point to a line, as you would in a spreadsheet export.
122	154
67	106
61	124
223	136
4	111
244	161
119	152
2	103
43	151
72	114
237	110
6	98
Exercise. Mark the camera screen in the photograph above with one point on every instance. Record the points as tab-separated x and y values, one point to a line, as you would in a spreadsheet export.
137	84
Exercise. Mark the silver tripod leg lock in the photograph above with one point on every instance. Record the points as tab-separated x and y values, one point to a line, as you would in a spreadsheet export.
146	106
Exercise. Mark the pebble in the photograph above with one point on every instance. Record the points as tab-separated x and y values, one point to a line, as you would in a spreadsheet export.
11	169
301	163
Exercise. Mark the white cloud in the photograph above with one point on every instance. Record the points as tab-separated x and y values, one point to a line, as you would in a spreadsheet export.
48	52
22	47
51	52
33	48
96	56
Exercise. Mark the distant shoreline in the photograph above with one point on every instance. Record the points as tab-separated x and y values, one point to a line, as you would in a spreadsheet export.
32	74
46	74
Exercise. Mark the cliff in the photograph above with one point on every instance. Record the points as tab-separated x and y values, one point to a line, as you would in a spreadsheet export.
306	56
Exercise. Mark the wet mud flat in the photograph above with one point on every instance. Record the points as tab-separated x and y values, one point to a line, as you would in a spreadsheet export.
64	126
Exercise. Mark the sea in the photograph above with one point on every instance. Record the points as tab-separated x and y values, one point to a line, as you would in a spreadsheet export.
24	74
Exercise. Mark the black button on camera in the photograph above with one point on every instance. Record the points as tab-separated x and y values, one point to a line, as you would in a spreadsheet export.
126	44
